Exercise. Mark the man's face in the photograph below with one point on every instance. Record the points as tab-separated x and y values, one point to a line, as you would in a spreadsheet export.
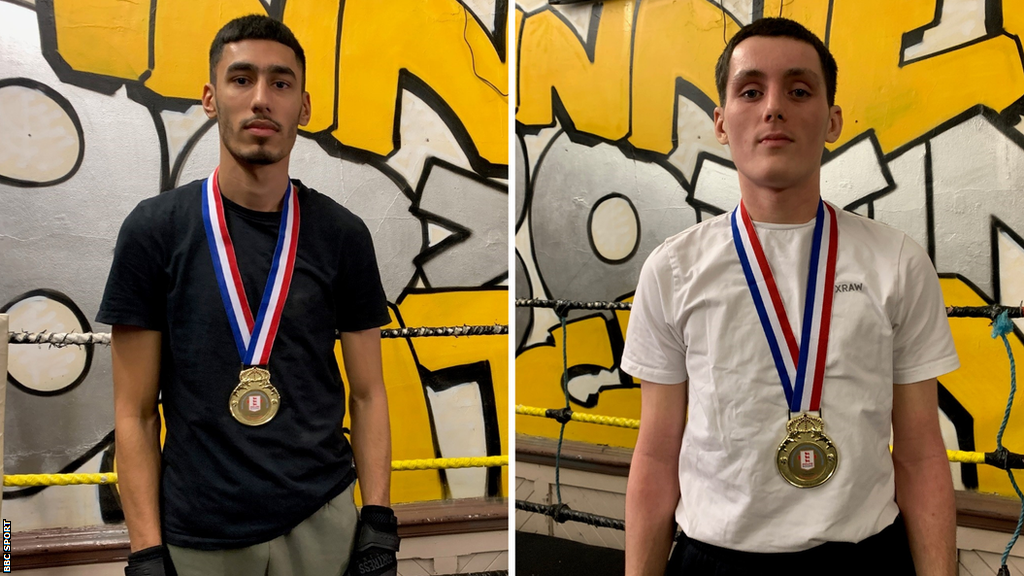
257	100
776	118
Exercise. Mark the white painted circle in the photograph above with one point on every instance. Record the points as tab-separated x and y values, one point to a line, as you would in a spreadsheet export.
614	228
41	367
40	141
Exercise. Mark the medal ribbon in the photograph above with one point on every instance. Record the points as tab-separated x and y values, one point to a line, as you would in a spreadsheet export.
796	362
253	336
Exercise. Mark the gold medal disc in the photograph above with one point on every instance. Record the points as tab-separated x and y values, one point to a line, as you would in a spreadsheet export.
255	400
807	457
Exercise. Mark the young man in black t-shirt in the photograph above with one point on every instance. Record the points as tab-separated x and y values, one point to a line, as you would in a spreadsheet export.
225	296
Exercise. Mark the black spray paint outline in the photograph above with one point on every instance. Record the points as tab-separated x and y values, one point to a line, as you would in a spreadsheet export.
590	230
963	423
756	9
998	120
996	227
528	327
616	344
1003	121
993	28
478	373
459	232
22	3
68	109
526	179
73	466
420	368
561	118
138	92
68	303
965	427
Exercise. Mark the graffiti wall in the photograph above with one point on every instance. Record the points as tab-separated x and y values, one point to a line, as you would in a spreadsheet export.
616	152
99	110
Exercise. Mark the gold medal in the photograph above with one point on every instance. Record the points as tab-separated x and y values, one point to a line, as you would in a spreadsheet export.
807	457
255	400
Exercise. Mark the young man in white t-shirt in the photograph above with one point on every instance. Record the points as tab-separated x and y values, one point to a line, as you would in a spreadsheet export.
784	464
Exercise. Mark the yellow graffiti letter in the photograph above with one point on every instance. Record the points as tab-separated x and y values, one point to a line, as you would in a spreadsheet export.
673	40
439	43
593	87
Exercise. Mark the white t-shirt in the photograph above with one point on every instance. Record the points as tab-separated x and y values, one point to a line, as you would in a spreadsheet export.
693	320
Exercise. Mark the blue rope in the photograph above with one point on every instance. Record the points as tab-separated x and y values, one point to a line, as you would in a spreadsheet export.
1002	326
565	392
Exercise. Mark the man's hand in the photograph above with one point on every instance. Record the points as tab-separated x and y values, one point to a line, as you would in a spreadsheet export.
652	489
924	486
377	543
154	561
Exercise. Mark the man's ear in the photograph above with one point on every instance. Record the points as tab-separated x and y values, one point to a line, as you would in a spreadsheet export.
835	124
720	134
307	109
209	102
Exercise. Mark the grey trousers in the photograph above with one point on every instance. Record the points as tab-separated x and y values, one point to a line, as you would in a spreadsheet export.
319	546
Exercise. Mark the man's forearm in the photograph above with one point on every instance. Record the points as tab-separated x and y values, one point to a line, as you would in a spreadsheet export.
371	443
137	443
924	492
652	492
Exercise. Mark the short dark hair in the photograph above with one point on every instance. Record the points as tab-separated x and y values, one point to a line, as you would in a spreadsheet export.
254	27
778	27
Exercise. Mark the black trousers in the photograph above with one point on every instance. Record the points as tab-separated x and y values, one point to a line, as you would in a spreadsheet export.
884	554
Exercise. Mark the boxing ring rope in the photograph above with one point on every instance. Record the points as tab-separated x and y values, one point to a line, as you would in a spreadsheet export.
1004	461
62	339
992	311
1000	458
24	480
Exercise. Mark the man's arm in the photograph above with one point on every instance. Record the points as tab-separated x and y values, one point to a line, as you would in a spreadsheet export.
368	406
135	353
652	489
924	486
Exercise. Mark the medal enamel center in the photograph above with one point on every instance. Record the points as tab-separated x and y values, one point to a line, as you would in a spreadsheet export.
807	457
255	400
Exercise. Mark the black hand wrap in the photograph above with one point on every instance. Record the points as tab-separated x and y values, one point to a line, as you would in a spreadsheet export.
154	561
376	548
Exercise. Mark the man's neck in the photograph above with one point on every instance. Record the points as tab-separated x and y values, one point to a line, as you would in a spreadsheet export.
256	187
781	206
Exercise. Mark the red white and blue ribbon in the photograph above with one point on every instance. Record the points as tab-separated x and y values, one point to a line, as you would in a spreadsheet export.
801	365
253	336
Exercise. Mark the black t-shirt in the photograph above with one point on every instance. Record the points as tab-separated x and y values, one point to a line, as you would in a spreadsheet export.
225	484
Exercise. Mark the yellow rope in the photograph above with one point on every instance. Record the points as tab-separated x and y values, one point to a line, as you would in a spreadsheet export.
606	420
448	463
24	480
953	455
581	417
965	457
59	479
531	411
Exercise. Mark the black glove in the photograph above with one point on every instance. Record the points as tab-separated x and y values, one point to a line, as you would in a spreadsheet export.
153	561
376	548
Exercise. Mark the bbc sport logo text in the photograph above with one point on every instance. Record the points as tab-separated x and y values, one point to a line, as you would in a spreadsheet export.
7	545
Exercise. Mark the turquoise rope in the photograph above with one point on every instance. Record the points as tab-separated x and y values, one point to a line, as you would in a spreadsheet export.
1002	326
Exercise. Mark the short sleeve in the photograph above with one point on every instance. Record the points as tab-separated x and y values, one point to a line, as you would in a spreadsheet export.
359	296
654	349
922	342
136	291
